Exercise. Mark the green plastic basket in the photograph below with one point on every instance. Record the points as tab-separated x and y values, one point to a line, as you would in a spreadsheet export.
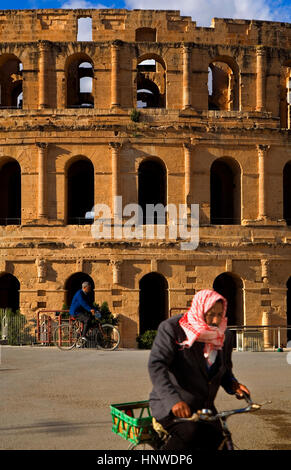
132	421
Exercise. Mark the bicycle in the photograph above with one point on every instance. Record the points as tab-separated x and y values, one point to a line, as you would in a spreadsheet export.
144	433
69	335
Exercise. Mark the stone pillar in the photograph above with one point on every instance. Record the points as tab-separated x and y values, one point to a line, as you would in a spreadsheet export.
265	264
262	155
116	271
42	151
41	269
115	47
261	78
42	98
115	151
186	77
187	153
266	321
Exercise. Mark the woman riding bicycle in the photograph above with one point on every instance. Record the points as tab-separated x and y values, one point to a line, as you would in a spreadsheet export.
189	360
82	309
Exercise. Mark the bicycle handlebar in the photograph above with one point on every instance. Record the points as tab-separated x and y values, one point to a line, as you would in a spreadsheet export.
206	415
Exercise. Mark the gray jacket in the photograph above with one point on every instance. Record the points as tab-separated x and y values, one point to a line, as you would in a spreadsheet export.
182	375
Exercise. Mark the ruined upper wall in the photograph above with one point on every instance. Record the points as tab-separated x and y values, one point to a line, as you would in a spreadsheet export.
59	25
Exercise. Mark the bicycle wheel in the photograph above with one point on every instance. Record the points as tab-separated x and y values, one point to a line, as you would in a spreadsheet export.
109	339
141	446
65	337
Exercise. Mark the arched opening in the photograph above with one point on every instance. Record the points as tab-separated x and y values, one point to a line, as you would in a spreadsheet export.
289	308
10	193
223	90
231	287
152	189
80	192
9	291
287	193
145	34
151	82
10	81
153	301
74	283
225	192
80	74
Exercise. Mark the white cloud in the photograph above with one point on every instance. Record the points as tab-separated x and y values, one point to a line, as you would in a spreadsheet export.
79	4
203	12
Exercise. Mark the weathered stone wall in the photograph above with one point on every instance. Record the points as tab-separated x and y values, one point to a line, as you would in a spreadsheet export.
44	137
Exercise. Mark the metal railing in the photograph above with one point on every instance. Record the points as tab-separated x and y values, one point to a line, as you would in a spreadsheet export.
10	221
16	329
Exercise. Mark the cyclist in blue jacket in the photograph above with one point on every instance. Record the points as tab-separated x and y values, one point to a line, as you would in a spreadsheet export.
82	308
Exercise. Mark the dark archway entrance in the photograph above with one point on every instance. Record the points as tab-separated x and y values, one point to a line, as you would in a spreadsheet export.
74	283
80	194
289	308
9	292
153	301
152	188
225	189
231	287
10	193
287	193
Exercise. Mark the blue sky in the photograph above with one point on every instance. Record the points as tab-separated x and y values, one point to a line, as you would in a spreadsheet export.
201	11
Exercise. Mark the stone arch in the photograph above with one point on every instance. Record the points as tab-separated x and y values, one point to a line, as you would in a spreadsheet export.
287	193
11	81
74	283
224	85
151	81
79	199
10	191
76	72
9	291
231	287
225	192
152	185
153	301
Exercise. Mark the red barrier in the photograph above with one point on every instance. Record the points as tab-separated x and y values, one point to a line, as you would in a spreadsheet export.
45	322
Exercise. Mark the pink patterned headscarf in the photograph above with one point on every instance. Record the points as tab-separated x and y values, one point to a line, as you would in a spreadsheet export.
195	327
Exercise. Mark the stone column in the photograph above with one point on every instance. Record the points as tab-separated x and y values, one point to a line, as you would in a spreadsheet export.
116	265
187	154
115	47
42	151
261	78
115	151
262	155
267	321
186	77
42	99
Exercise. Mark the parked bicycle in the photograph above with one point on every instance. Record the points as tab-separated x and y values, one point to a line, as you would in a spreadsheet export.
68	335
143	432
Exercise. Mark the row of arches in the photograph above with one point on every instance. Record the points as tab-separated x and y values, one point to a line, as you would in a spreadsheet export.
153	297
225	191
150	82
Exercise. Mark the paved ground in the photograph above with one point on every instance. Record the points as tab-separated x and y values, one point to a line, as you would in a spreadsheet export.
60	400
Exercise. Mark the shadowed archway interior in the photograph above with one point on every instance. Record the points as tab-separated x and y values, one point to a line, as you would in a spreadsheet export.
74	283
153	301
9	291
